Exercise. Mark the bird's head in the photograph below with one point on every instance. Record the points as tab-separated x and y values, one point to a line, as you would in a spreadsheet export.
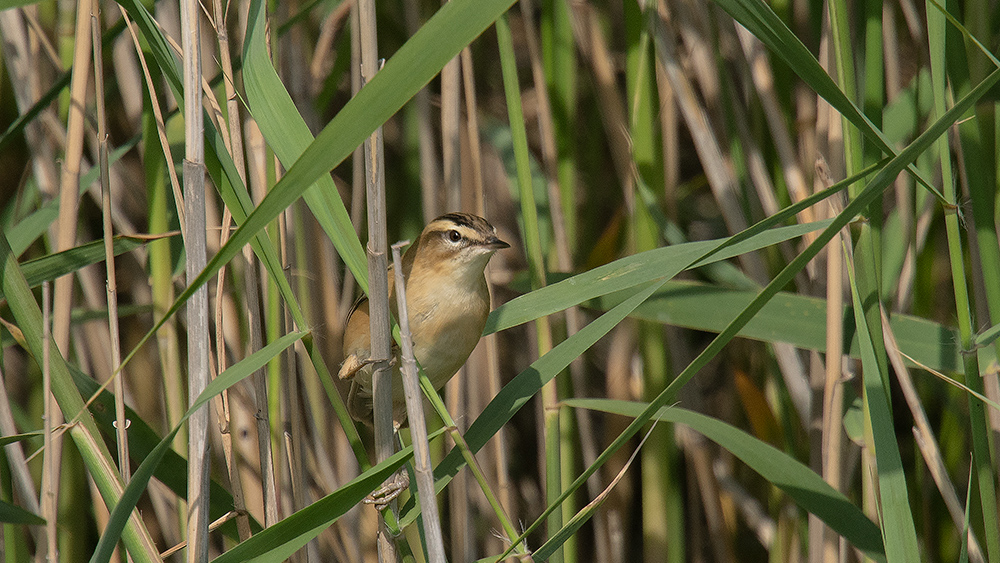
457	245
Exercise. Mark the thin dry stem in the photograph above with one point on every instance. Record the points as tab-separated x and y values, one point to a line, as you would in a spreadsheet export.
456	389
211	528
291	393
121	425
235	144
418	425
833	390
256	295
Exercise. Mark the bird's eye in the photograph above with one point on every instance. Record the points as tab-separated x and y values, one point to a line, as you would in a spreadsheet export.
454	236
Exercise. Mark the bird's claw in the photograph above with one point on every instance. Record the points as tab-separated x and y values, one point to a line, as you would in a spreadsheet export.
394	486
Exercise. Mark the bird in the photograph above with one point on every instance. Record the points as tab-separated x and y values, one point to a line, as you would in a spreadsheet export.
448	302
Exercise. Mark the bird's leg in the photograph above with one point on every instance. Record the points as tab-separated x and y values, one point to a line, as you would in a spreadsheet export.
393	486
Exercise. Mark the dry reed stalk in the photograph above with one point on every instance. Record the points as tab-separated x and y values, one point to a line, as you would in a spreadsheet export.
222	401
418	425
65	236
253	172
108	226
234	142
378	280
833	389
294	438
195	242
829	163
166	338
121	424
456	389
261	413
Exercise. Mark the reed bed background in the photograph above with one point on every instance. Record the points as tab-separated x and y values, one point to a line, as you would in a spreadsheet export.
749	313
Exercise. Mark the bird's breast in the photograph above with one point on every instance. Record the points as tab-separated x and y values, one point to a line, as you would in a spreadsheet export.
446	327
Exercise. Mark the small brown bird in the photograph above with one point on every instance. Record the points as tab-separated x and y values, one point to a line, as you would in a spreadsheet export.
447	300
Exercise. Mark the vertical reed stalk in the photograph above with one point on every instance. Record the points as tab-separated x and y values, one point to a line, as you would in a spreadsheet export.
470	460
418	425
833	388
378	281
69	186
195	241
504	499
449	194
121	425
235	143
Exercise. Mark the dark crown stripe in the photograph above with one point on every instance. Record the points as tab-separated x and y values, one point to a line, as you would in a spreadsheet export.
465	220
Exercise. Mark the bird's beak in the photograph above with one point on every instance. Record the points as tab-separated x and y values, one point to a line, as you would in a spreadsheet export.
495	243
